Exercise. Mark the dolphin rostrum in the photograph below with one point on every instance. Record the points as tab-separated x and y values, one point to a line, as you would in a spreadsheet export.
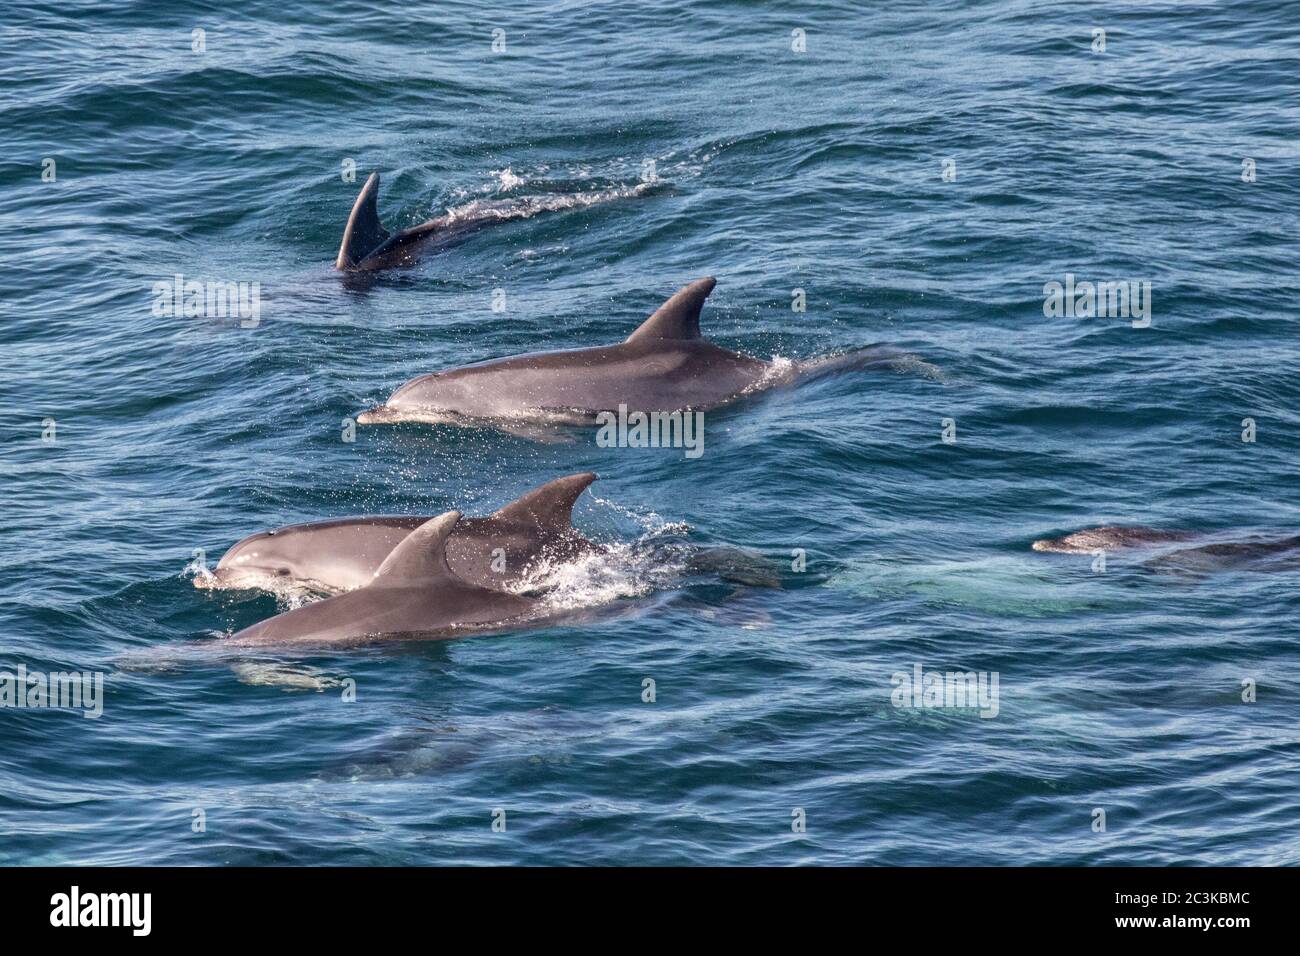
368	246
413	595
665	366
344	553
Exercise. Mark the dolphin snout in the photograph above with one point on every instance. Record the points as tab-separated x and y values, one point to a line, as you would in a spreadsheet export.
206	580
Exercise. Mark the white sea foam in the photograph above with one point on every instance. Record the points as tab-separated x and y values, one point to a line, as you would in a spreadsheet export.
620	570
507	179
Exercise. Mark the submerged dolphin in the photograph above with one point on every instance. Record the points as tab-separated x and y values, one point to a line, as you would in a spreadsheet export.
1252	553
664	366
344	553
1110	537
368	246
413	595
1264	554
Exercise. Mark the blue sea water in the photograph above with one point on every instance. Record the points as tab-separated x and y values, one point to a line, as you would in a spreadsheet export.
821	170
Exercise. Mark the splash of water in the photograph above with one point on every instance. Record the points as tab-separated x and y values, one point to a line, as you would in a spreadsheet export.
780	371
507	179
620	570
289	594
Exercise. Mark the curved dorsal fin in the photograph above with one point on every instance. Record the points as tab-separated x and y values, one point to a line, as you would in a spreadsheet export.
364	233
422	555
679	317
551	505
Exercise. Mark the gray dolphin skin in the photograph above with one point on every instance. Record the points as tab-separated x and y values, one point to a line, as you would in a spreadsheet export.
1262	554
414	595
1110	538
664	366
344	553
367	246
1257	553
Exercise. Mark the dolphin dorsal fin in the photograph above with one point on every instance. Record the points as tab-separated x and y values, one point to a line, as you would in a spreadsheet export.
364	233
422	555
549	507
679	317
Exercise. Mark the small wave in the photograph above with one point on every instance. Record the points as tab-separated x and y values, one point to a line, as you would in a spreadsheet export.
525	207
650	522
872	357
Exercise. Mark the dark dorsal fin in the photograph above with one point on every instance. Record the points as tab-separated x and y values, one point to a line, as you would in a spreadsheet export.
364	233
679	317
549	507
421	557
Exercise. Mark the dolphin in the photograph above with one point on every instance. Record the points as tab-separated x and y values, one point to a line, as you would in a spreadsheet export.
414	594
367	246
1257	553
1110	537
665	366
342	554
1267	554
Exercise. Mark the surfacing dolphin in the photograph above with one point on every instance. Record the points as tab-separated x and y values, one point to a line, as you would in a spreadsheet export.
342	554
664	366
1110	537
414	595
1256	553
368	246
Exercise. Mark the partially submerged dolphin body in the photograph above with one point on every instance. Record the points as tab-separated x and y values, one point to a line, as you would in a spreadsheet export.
368	246
1257	553
344	553
413	595
1262	554
664	366
1110	537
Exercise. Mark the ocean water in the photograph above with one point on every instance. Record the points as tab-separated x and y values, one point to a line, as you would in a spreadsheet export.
775	169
